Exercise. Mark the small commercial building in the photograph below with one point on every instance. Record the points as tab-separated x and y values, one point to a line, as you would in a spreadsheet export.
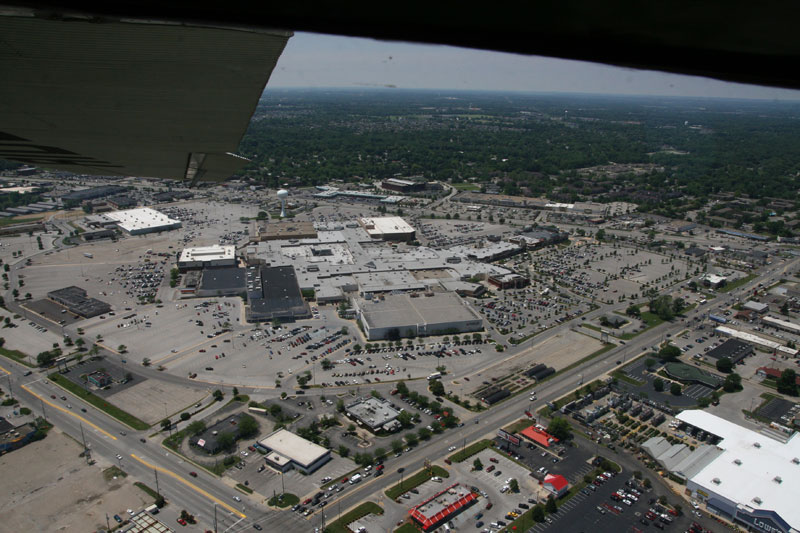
778	323
285	451
374	413
95	235
758	307
713	281
555	484
207	257
388	228
77	301
733	349
100	379
443	506
539	436
410	315
511	280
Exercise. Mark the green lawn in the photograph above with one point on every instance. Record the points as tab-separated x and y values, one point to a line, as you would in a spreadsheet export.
469	451
248	490
147	490
466	186
738	283
12	221
519	425
287	501
340	526
414	481
112	410
408	527
650	319
17	356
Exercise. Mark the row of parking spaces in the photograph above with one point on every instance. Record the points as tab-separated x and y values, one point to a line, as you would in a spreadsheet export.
697	391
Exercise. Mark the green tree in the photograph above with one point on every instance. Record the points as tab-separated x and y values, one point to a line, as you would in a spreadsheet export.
344	451
166	424
787	382
225	440
675	389
649	363
247	426
411	439
380	453
424	433
122	348
218	395
397	446
196	427
724	365
559	428
658	385
538	513
551	506
477	464
669	353
732	383
436	387
513	485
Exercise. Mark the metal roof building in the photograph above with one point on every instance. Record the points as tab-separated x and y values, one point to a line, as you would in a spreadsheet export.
754	480
143	220
405	315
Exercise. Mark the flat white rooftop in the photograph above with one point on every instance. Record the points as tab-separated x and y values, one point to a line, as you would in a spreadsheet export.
208	253
755	339
377	226
753	470
141	219
785	324
285	443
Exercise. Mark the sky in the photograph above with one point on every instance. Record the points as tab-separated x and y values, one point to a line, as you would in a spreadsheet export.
316	60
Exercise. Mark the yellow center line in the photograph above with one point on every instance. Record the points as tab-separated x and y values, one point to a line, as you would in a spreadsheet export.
4	370
191	486
67	411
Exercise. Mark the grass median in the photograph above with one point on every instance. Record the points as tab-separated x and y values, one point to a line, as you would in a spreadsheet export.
17	356
469	451
340	526
415	481
111	410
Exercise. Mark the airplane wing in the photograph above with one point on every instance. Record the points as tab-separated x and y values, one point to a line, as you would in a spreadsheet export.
130	97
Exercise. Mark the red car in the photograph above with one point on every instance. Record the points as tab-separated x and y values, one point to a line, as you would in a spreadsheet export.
181	521
494	460
193	474
306	502
345	479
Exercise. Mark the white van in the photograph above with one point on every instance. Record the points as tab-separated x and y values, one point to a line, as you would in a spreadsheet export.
355	479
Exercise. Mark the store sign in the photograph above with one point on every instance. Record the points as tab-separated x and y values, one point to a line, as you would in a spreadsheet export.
766	521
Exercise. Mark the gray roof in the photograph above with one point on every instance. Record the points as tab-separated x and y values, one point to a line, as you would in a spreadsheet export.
402	310
223	279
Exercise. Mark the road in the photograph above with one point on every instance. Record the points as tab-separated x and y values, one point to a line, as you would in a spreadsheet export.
147	460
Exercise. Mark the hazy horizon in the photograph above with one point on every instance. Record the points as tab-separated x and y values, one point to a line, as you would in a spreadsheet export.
331	61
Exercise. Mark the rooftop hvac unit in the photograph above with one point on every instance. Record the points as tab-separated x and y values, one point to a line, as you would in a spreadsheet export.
757	444
796	461
777	479
757	500
737	461
716	481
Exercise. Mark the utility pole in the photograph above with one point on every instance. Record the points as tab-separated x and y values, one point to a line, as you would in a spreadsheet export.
157	489
44	414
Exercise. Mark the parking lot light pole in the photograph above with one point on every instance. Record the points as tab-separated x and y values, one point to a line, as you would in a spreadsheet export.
400	471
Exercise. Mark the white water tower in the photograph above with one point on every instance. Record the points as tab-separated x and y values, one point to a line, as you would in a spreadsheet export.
282	195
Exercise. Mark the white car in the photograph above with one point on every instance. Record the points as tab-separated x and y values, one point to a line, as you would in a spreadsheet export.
451	449
238	499
119	457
